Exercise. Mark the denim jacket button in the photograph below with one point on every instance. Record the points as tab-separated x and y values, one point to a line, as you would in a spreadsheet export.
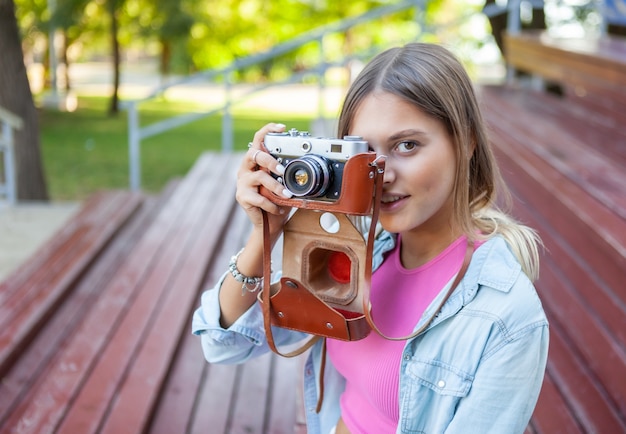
441	384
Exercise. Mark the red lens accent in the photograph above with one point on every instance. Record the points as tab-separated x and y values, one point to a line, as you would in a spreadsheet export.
339	266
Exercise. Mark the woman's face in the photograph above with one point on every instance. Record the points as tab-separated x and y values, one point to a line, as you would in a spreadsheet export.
420	168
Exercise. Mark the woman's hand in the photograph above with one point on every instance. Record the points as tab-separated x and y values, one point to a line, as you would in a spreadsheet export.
250	178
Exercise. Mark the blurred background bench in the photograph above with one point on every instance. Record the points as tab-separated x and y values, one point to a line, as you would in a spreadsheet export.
563	154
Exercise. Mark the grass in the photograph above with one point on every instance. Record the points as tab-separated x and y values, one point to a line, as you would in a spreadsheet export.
87	150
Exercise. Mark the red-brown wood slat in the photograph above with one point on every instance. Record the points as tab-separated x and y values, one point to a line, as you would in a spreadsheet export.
583	163
571	209
602	59
586	395
173	412
603	244
581	282
149	368
284	402
28	308
42	351
591	71
247	415
573	363
46	403
179	396
56	253
218	393
531	192
552	415
93	402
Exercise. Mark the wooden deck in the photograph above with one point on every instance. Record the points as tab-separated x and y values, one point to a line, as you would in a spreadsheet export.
564	158
96	326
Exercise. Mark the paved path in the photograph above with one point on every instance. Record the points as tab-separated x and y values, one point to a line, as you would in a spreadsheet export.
25	227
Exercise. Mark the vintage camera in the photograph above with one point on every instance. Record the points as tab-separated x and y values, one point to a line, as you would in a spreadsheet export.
314	166
326	257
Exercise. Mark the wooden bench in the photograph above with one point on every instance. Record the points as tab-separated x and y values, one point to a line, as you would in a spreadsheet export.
114	352
569	182
591	71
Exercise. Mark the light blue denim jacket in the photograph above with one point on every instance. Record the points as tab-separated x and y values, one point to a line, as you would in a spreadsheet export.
478	368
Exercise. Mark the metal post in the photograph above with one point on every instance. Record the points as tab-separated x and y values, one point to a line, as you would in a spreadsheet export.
134	147
227	121
513	27
321	106
9	160
52	52
513	24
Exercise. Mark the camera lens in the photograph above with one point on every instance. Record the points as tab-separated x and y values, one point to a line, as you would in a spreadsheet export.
308	176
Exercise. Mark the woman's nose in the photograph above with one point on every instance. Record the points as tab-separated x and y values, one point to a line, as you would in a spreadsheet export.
389	176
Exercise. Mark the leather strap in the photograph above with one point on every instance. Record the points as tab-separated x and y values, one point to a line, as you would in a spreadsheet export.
266	294
367	305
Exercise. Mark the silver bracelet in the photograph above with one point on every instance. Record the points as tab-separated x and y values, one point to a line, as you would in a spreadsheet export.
248	284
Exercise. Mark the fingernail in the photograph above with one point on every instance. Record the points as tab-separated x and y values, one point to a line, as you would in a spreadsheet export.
280	169
281	210
287	193
280	125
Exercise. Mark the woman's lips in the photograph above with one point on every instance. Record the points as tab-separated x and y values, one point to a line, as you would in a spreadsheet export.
392	201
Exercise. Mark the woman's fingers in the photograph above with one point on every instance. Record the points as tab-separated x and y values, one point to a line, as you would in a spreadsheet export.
257	155
256	158
259	136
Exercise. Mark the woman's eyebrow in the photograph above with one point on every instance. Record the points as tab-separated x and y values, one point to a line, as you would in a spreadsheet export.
406	133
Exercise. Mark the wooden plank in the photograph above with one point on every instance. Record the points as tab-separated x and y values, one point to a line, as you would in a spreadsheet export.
213	413
583	164
93	402
178	397
43	408
173	411
603	243
552	414
578	387
586	395
540	192
146	374
283	401
592	286
34	360
27	309
248	417
590	127
582	327
37	267
601	59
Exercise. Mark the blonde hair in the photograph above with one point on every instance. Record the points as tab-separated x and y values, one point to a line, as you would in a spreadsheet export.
431	78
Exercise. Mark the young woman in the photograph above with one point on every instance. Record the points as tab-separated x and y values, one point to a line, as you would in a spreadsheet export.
479	364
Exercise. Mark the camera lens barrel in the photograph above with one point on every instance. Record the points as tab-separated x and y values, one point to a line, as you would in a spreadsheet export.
308	176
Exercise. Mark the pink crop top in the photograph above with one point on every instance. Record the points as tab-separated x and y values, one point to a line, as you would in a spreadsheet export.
371	366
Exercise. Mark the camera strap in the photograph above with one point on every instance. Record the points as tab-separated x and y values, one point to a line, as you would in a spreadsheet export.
265	295
367	305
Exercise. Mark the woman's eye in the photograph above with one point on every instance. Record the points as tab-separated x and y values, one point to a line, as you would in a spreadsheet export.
406	146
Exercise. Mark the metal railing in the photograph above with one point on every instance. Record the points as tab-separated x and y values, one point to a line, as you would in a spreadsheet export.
8	122
136	133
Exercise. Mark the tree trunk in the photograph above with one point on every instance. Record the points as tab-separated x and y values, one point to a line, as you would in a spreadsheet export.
165	62
66	62
16	96
114	106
